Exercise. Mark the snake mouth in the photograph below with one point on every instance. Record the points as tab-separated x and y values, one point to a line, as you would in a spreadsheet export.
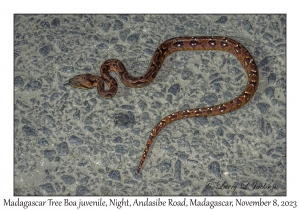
81	82
78	86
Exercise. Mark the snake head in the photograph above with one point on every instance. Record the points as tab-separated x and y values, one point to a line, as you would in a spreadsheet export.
84	81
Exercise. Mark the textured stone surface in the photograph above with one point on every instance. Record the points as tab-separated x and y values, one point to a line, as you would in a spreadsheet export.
73	142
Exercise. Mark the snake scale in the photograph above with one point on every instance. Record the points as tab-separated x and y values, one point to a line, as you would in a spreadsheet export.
88	81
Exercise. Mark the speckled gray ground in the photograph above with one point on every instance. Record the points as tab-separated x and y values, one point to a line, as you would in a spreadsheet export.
72	142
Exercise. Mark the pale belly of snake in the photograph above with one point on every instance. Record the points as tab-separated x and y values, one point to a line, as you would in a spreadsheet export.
88	81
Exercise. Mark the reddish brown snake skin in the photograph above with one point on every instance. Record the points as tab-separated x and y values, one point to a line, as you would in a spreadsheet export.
87	81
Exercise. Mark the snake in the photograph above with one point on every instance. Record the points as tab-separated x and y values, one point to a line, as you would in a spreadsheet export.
89	81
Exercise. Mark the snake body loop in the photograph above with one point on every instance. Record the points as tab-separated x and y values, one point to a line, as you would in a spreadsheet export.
87	81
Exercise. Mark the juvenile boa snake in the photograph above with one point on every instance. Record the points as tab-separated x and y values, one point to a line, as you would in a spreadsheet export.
88	81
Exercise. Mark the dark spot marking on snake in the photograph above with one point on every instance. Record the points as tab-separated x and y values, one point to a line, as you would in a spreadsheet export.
209	111
247	61
163	123
173	116
224	43
222	108
249	88
238	49
253	83
198	112
194	43
186	113
254	72
247	95
238	102
154	74
115	64
157	128
157	56
178	44
164	51
106	68
212	42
